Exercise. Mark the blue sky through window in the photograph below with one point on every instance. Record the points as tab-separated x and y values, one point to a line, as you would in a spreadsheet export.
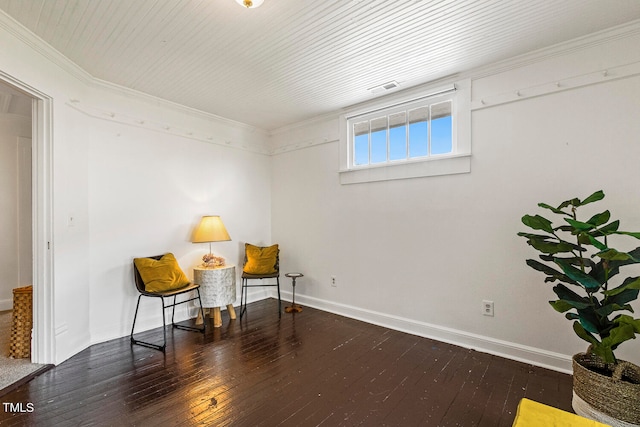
391	138
361	149
379	146
441	135
398	143
418	139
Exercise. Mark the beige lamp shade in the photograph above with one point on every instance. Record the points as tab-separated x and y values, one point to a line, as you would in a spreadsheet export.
211	229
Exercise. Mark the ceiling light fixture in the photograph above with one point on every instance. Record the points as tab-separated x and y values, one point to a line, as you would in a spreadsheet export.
250	4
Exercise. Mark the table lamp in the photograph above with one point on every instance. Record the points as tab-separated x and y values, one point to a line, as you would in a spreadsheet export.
211	229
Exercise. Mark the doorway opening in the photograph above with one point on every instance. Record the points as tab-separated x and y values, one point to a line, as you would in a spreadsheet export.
26	159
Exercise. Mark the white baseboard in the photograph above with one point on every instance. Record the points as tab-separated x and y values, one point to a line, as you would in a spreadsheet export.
530	355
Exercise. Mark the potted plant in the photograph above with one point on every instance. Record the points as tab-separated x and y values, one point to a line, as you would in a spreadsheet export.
579	258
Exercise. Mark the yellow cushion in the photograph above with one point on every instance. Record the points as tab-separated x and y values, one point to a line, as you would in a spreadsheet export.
161	275
534	414
260	260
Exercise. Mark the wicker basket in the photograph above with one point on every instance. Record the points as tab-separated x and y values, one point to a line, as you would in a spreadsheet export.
20	344
612	389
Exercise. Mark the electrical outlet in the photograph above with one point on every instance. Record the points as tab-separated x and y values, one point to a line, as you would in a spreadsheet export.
487	308
333	282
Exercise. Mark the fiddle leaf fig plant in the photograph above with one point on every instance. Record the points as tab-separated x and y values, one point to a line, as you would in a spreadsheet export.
578	257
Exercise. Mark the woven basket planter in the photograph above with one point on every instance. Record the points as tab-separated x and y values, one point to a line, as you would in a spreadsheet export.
22	322
611	389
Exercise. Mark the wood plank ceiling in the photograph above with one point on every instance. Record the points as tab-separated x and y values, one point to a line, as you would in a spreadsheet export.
290	60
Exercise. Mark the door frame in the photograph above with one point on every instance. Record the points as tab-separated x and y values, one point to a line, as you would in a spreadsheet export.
43	342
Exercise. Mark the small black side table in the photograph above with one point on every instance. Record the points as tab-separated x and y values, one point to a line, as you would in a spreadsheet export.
293	308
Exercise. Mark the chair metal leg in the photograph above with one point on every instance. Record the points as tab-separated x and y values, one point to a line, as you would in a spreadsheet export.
189	328
243	298
164	323
145	343
279	300
244	294
135	316
173	311
164	327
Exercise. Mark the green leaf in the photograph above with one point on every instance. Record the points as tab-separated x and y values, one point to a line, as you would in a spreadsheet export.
598	195
591	322
554	210
599	219
550	247
567	296
621	333
614	255
635	255
535	236
584	279
561	306
573	202
582	333
608	229
628	320
632	283
622	298
594	242
605	352
603	270
572	316
627	233
537	222
549	271
607	309
578	225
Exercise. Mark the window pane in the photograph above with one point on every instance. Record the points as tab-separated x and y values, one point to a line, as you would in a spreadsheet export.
418	132
379	140
441	128
398	136
361	143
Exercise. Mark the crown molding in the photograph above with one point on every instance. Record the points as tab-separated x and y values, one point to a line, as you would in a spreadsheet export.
602	37
43	48
559	85
151	99
166	127
48	52
623	31
51	54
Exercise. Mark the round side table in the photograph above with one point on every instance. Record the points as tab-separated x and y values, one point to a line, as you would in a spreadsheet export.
294	308
217	289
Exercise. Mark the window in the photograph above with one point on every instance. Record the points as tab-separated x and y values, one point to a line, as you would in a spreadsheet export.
428	129
409	134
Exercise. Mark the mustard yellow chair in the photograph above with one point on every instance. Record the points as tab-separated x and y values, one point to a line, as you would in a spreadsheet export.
260	262
534	414
160	277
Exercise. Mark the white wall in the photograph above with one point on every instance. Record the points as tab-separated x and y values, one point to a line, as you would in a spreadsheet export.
146	194
135	174
12	126
421	254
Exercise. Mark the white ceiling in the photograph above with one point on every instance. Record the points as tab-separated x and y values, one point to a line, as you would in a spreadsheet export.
290	60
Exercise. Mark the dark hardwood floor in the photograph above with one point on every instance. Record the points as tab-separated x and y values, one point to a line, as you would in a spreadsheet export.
312	368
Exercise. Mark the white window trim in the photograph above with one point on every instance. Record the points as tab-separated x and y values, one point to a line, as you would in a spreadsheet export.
458	162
